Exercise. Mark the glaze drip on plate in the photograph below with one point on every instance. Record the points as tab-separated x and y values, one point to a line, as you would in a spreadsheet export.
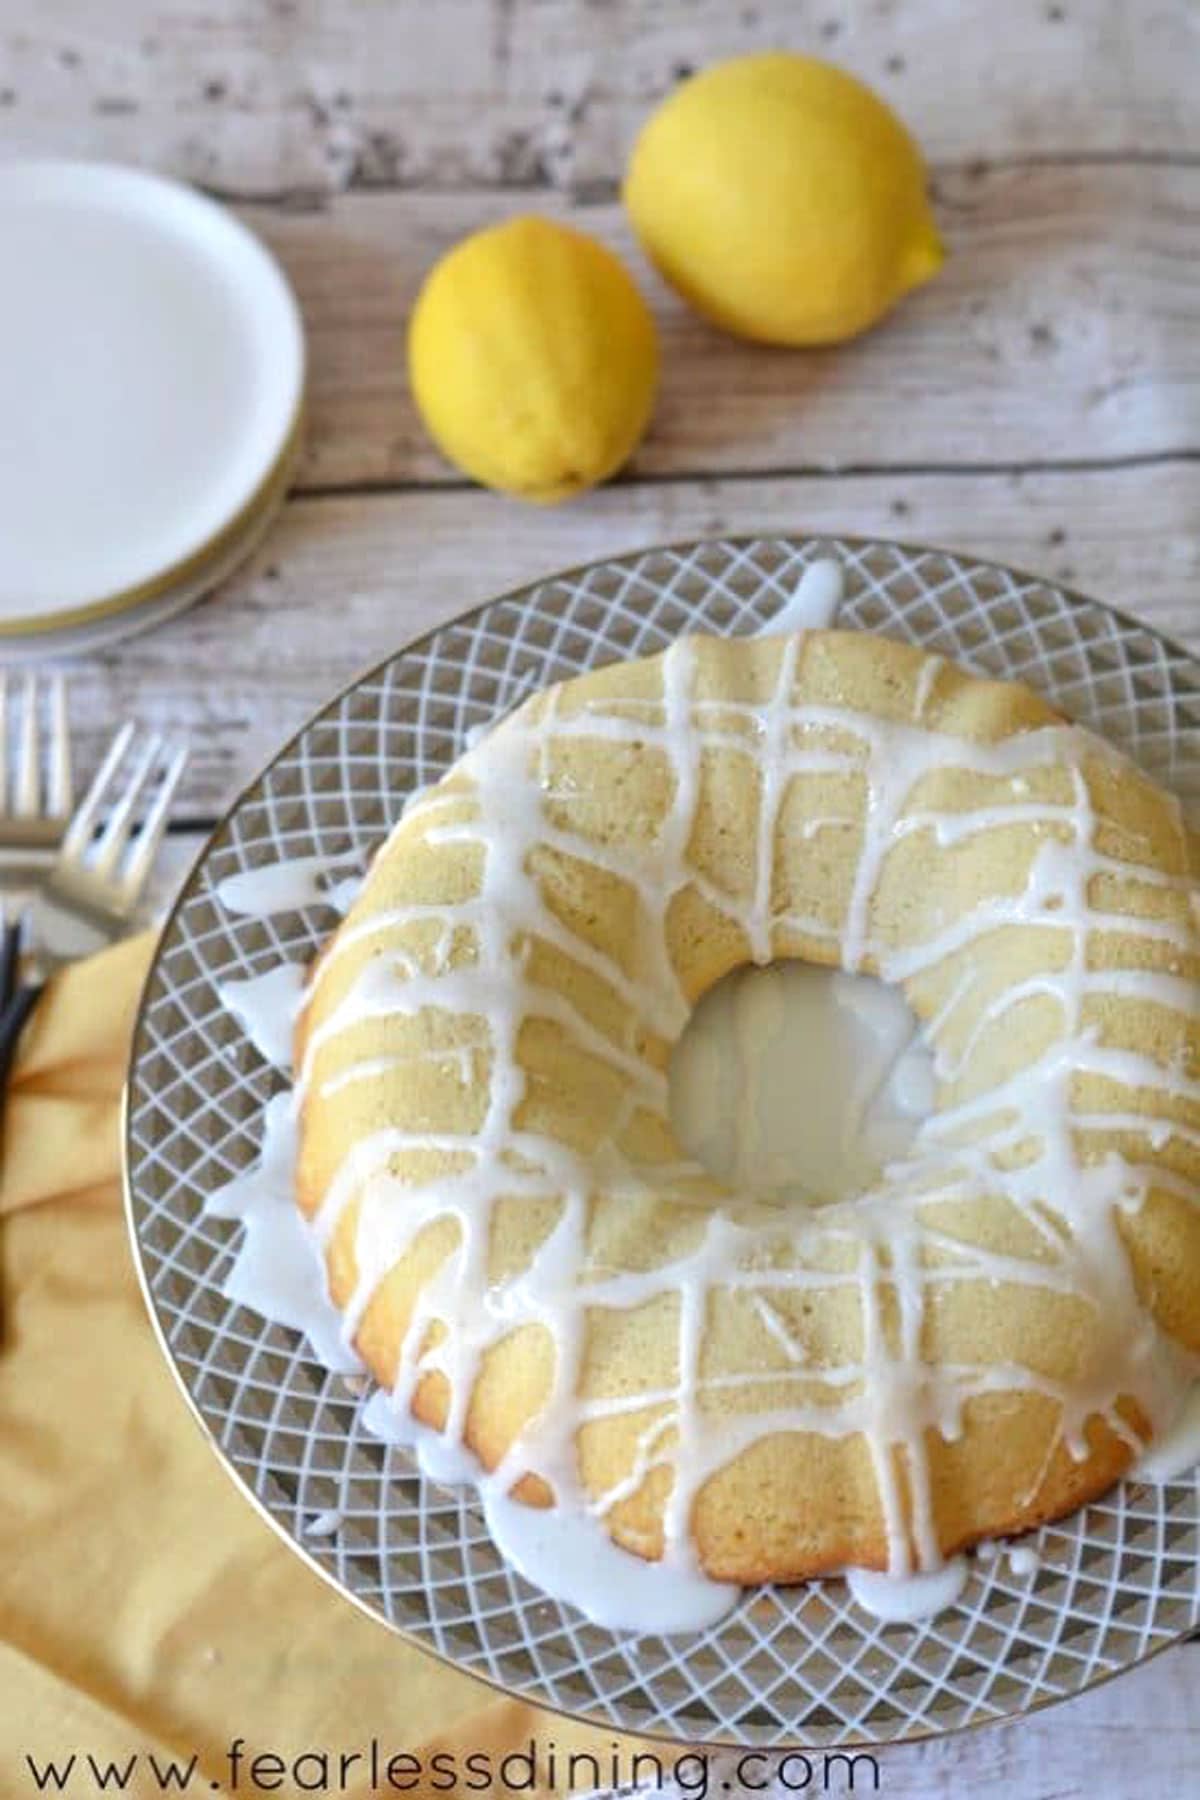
291	885
265	1006
815	604
275	1272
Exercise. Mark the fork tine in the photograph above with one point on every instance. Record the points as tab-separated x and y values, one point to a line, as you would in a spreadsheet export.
79	832
145	845
116	832
58	797
28	774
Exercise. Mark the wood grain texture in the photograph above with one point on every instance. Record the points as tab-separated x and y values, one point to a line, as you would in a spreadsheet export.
343	582
1062	327
1135	1736
309	97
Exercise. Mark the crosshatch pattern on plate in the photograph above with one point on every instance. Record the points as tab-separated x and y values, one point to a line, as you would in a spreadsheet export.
1114	1582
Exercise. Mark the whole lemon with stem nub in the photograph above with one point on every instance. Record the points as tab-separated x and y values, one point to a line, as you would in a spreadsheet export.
533	359
783	199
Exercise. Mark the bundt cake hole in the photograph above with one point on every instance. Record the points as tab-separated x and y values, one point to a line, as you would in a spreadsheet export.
799	1081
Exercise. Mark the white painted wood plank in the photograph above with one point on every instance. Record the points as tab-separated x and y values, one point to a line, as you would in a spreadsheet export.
343	582
1063	326
172	865
279	96
1137	1735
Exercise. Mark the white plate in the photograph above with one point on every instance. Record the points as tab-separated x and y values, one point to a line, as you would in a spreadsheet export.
151	372
99	629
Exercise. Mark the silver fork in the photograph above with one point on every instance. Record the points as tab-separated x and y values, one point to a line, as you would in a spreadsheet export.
35	796
103	878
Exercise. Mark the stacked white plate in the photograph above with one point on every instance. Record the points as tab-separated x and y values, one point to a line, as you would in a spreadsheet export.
151	392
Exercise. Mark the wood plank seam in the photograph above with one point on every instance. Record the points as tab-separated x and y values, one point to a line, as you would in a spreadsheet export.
312	198
665	478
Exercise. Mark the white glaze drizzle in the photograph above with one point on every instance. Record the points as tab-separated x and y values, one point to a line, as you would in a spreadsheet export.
815	604
906	1599
275	1272
324	1524
570	1555
1022	1559
290	885
265	1006
342	894
1177	1450
566	1553
893	1397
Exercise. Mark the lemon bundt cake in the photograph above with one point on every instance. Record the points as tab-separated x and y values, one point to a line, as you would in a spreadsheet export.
524	1256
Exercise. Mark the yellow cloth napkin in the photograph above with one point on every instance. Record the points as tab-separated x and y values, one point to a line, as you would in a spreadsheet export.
145	1607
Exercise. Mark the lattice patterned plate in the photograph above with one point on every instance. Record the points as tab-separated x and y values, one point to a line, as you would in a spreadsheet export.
1114	1583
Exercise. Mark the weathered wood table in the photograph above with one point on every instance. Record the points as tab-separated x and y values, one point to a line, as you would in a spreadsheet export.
1039	402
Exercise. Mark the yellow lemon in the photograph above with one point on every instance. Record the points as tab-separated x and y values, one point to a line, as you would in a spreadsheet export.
533	359
783	199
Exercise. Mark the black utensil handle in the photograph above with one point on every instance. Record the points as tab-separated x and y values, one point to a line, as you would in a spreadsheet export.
10	954
12	1022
